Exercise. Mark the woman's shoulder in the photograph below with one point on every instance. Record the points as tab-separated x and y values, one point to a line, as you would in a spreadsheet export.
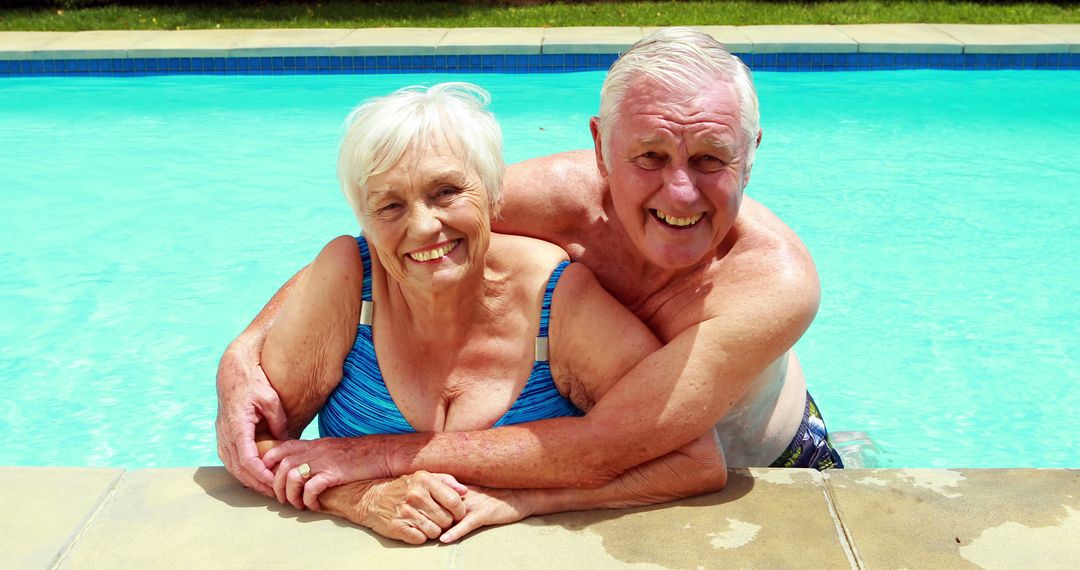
339	259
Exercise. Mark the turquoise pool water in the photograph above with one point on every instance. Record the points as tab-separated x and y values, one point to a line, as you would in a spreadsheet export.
145	220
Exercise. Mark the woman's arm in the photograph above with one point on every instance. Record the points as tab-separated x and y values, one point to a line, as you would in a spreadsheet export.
411	508
312	334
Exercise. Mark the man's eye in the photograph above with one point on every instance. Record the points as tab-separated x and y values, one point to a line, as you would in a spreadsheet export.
387	208
650	160
708	163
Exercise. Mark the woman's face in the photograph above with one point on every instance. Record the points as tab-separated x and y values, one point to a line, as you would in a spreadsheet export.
428	217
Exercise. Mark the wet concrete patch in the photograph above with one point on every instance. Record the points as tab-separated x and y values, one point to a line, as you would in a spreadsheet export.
764	518
921	518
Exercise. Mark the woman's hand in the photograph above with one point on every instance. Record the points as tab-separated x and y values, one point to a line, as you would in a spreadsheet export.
332	461
485	507
412	508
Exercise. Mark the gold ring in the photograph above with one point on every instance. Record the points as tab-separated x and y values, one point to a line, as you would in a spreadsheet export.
304	470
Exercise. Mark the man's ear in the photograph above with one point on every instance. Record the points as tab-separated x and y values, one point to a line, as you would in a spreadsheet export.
757	145
594	128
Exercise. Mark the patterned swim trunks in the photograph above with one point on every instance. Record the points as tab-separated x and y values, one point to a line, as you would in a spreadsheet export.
810	447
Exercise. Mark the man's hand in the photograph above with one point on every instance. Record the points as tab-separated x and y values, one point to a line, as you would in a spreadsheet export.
246	398
333	461
411	508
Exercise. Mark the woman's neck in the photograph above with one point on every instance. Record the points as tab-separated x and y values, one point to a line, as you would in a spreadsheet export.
444	318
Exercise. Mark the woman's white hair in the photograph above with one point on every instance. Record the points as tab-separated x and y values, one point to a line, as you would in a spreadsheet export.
682	60
381	129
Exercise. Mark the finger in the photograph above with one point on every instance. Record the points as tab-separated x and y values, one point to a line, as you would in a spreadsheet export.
408	533
426	526
271	458
467	525
452	483
281	475
294	488
243	474
313	488
252	465
438	515
449	499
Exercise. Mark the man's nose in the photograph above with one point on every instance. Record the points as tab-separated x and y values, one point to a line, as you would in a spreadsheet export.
679	186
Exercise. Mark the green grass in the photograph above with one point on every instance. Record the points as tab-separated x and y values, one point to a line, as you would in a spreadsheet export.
478	13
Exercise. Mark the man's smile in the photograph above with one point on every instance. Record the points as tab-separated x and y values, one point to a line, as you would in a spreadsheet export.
676	221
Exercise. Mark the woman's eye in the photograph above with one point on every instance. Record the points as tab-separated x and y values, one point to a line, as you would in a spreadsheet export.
387	208
447	191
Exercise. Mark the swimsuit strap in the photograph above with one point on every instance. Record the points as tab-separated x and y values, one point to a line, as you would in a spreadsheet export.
365	256
367	307
545	313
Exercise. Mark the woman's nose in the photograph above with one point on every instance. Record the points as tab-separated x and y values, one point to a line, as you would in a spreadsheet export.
422	221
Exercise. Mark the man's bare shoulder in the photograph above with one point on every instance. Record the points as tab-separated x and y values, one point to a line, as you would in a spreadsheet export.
767	264
517	251
543	196
765	244
559	169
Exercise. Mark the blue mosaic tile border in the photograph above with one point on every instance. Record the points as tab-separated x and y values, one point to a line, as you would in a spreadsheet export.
548	63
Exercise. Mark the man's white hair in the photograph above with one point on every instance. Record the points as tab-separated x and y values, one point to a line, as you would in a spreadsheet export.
380	130
682	60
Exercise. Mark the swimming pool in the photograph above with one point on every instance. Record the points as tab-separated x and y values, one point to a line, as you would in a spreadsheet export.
145	220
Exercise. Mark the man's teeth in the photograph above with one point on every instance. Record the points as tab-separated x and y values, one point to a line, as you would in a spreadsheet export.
434	253
678	222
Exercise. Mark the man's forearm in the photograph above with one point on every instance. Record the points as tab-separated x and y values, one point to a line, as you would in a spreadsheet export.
692	470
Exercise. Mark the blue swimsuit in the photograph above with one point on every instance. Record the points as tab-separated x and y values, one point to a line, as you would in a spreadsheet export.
361	403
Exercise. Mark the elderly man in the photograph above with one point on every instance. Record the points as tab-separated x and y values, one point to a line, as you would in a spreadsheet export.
657	212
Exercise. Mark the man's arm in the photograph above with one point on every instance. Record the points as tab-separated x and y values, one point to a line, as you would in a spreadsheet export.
245	398
692	470
664	402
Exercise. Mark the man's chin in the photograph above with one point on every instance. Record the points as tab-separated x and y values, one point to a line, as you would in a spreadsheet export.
676	256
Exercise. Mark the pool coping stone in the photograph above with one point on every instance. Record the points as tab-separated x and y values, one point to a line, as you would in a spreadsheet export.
792	518
865	38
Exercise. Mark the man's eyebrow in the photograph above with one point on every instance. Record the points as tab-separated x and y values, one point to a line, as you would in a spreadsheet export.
721	145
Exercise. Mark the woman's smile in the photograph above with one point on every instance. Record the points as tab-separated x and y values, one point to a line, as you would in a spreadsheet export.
434	252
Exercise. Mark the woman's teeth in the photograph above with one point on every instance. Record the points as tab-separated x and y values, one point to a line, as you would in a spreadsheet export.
434	253
678	222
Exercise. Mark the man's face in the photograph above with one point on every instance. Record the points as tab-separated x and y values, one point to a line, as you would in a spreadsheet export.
676	170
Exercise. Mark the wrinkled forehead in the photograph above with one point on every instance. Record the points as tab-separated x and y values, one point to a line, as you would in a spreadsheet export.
710	95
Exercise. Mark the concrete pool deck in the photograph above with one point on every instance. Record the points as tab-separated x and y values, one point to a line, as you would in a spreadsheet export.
866	38
765	518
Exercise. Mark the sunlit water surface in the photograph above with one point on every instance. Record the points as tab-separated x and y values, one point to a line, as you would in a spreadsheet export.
144	221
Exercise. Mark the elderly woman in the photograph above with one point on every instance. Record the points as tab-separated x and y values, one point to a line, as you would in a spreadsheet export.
430	322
